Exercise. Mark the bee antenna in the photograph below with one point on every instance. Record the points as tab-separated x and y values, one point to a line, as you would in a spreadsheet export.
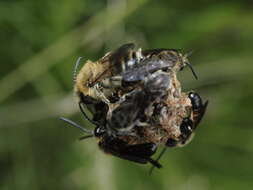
189	65
158	158
85	137
192	70
189	53
75	68
72	123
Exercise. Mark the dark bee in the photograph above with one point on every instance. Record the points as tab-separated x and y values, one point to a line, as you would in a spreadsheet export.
130	110
139	153
151	61
144	68
177	59
140	150
188	125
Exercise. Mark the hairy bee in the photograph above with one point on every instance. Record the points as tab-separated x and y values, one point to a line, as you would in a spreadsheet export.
103	82
93	84
95	78
139	153
137	103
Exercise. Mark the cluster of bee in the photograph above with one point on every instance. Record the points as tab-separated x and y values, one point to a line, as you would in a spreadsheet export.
136	102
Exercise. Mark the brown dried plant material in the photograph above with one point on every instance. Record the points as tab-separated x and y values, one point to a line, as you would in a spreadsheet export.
169	113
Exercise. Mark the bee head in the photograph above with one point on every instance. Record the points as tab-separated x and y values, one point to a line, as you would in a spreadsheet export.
99	131
73	124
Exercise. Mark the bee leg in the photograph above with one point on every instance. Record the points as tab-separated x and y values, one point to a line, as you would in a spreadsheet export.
97	108
85	115
171	143
100	94
158	158
112	82
139	153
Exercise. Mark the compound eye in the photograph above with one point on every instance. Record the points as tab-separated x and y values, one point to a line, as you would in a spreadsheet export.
99	131
195	100
192	95
186	126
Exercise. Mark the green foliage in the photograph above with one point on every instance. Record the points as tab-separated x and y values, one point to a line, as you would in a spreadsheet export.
40	42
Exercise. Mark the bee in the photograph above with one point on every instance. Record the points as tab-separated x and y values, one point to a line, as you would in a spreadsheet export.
93	84
188	125
103	82
167	60
139	153
158	72
174	58
112	135
130	94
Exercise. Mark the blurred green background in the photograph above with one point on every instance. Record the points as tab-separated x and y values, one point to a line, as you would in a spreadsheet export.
40	42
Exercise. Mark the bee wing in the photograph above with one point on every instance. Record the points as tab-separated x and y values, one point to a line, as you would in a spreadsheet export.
126	114
114	61
151	52
201	114
145	68
121	56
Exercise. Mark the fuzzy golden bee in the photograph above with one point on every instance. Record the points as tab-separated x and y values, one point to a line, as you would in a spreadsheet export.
97	84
